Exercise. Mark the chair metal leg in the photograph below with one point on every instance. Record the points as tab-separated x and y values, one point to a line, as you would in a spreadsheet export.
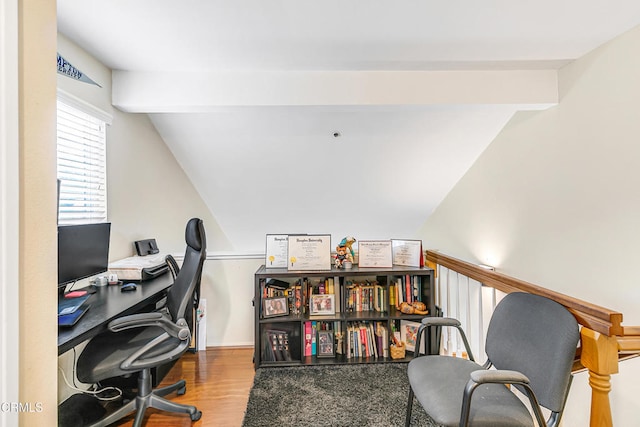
143	404
170	388
167	405
407	421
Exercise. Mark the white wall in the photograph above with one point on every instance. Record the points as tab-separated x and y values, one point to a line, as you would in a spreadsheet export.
554	200
228	287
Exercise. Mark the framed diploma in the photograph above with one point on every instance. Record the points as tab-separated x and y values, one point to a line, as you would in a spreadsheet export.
407	252
309	252
375	253
276	253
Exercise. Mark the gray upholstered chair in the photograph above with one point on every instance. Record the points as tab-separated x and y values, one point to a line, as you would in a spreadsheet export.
139	342
531	342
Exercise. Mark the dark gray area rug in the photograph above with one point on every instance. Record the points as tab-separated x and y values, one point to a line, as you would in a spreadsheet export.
336	395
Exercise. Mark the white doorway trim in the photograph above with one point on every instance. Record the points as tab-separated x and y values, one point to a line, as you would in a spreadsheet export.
9	210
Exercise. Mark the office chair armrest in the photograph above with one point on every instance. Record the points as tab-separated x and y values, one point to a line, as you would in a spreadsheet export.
444	321
138	360
483	376
498	376
440	321
135	321
179	329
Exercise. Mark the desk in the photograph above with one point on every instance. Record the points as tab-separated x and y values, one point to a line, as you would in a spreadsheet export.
109	303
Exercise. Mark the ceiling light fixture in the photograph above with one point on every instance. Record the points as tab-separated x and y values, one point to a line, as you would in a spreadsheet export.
336	134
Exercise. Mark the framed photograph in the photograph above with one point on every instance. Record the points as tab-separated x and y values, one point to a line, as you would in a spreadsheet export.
409	334
322	304
326	346
272	307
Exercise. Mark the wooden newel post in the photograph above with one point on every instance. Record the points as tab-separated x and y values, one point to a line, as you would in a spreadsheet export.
600	357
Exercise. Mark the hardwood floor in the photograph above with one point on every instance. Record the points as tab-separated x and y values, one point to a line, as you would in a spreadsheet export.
218	384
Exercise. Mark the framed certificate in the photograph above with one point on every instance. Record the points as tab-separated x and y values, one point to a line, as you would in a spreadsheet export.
276	253
309	252
375	253
407	252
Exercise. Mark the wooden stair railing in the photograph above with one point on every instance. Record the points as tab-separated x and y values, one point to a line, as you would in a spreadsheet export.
603	339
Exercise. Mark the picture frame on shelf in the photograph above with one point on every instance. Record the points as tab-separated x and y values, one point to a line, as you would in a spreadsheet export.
274	307
322	304
409	335
276	253
326	345
407	252
375	253
309	252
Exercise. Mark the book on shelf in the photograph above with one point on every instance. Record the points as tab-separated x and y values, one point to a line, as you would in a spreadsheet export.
382	339
307	338
408	289
392	295
314	335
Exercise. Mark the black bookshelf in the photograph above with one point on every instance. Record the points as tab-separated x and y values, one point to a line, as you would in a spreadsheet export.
295	287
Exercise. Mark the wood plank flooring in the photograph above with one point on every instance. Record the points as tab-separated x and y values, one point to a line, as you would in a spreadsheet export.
218	384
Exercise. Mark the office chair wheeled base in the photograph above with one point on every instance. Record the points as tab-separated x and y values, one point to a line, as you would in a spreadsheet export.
149	398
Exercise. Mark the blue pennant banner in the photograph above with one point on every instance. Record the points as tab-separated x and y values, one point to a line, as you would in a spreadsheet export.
66	69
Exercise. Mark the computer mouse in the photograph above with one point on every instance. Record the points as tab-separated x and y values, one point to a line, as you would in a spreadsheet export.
127	287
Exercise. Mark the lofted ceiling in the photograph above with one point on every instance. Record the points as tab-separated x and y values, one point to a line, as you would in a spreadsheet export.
249	94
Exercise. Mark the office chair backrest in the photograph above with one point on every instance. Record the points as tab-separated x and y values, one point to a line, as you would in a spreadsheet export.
180	295
538	337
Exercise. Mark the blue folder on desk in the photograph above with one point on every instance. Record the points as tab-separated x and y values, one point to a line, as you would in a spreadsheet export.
71	309
70	305
71	319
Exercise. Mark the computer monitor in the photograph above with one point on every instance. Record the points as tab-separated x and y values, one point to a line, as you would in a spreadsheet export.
83	251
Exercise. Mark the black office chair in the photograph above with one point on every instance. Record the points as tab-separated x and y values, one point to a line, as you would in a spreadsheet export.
531	342
139	342
174	269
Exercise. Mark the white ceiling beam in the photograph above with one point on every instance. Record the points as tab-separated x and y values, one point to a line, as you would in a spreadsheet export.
153	92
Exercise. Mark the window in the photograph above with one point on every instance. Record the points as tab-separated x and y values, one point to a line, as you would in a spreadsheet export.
82	167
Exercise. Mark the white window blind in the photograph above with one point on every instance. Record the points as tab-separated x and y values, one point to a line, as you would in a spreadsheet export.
81	167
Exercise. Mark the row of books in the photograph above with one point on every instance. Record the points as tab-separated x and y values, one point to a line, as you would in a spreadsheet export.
367	339
405	289
363	339
276	346
368	296
298	293
357	297
273	288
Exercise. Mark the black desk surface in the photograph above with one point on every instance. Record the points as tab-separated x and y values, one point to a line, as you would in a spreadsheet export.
109	303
